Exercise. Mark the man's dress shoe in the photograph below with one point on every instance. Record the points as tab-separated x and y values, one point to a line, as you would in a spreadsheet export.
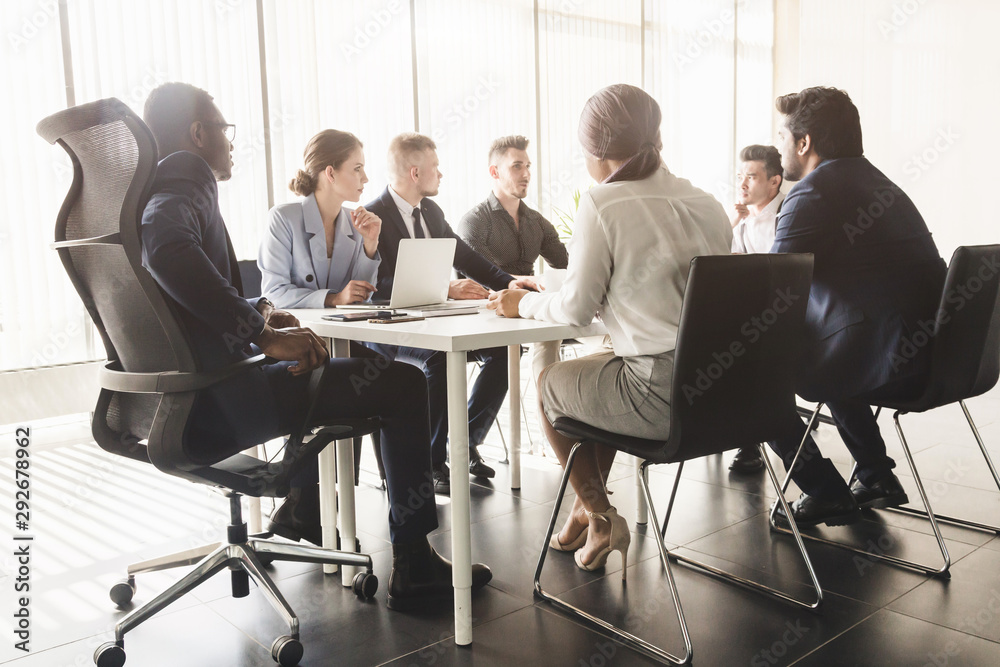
421	577
811	511
747	460
885	493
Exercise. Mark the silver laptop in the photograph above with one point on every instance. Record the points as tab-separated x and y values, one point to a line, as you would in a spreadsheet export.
423	273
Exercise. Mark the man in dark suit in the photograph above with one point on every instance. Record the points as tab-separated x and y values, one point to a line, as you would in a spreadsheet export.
877	275
406	212
186	248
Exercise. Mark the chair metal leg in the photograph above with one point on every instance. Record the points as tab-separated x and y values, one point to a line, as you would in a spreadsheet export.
798	453
747	583
872	555
253	566
179	559
989	462
308	554
211	564
601	625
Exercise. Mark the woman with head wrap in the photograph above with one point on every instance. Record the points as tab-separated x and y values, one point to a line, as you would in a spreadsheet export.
634	236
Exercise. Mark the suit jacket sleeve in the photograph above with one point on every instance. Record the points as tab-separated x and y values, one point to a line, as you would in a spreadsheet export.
388	249
467	261
173	254
802	222
275	262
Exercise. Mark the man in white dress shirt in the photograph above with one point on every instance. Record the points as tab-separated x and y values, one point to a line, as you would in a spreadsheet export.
754	219
755	212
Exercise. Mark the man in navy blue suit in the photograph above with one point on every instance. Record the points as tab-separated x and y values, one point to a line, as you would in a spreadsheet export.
186	248
877	275
407	212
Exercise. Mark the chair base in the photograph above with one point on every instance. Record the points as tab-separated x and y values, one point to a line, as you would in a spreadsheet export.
928	512
245	556
630	640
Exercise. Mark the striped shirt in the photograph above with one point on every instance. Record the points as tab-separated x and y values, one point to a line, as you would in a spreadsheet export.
491	232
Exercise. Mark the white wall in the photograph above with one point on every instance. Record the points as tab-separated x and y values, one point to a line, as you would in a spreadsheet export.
925	75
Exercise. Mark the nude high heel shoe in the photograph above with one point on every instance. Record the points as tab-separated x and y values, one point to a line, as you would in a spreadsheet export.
620	540
554	542
580	540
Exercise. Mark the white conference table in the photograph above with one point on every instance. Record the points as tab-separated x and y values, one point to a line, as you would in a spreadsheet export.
454	335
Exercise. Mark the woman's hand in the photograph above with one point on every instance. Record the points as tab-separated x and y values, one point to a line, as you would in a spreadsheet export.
369	226
506	301
355	291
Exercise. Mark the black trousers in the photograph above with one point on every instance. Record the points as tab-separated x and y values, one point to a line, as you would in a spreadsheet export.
485	399
859	430
367	385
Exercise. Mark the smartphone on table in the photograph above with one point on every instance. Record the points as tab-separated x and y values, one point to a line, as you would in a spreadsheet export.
355	316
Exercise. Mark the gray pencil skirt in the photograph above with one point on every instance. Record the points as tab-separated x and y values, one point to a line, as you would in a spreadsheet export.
627	395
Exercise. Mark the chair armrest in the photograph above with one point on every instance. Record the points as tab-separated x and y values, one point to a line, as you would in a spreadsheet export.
113	378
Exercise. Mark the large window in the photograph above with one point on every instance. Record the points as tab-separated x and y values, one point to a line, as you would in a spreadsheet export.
462	71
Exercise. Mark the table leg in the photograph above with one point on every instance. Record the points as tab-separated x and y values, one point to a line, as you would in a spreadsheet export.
328	501
346	515
345	512
641	509
514	399
461	542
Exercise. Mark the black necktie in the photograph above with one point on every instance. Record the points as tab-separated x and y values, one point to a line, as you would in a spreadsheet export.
418	229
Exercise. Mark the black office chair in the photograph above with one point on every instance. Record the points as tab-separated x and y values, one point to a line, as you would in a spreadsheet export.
152	377
750	394
964	340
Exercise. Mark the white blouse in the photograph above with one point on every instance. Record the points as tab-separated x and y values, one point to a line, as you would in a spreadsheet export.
632	246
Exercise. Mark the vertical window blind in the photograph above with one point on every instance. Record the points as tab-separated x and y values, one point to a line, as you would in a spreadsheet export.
461	72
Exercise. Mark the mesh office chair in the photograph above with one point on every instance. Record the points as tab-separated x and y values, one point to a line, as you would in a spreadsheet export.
749	371
964	340
152	377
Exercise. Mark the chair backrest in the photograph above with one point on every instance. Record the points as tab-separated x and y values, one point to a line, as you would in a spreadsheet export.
251	276
737	346
99	242
964	333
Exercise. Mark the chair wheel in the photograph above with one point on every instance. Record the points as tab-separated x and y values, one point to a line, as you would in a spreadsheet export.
365	585
109	655
121	593
286	651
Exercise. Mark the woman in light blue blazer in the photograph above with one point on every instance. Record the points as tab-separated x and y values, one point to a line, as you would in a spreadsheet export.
316	253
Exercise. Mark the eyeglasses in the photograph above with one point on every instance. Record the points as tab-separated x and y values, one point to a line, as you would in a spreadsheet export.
229	129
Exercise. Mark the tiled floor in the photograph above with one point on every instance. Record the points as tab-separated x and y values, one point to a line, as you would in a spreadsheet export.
94	514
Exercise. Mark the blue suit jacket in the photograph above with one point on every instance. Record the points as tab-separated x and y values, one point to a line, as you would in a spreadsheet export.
185	247
293	262
877	276
468	262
